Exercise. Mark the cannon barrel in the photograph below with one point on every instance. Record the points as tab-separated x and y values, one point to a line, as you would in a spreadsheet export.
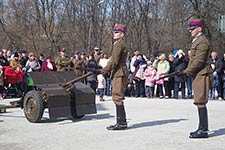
69	85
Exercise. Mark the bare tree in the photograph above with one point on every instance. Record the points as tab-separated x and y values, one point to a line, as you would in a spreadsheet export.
44	26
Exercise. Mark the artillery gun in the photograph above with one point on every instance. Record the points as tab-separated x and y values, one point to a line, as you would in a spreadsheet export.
59	92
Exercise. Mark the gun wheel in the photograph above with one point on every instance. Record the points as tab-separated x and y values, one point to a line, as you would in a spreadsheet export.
33	106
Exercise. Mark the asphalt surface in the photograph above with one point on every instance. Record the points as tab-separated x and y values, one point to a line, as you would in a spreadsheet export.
156	124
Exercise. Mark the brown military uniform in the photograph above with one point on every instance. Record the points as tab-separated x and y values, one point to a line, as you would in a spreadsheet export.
200	70
119	72
62	62
78	63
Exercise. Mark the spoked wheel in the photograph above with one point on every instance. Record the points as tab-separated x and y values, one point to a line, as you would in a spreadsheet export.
33	106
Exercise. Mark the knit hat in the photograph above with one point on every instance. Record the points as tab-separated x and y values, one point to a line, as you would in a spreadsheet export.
119	28
194	23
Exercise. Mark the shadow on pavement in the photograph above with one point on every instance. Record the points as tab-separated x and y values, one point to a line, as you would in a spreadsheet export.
74	120
218	132
12	116
1	121
100	107
155	123
47	120
98	116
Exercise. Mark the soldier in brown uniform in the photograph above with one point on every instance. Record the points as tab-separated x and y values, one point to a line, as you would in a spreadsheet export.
201	72
119	75
62	61
78	62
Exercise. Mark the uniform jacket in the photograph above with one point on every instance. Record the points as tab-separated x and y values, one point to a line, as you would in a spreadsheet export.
78	63
62	62
200	70
117	62
198	60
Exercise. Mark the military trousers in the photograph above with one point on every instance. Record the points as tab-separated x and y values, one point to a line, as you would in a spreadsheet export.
118	88
201	86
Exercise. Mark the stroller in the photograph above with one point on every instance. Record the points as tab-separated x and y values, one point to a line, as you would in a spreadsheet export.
13	81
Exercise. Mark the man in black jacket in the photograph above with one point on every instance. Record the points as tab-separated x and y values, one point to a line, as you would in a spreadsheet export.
180	64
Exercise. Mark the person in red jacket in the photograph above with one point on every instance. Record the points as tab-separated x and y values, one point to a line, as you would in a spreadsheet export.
48	64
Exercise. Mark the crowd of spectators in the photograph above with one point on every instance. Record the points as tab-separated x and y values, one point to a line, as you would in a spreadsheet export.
144	72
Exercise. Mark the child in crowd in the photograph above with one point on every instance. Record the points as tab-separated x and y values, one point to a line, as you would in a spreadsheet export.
150	76
212	91
101	86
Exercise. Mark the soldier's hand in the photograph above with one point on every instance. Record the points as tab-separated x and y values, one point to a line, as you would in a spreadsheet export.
97	72
181	73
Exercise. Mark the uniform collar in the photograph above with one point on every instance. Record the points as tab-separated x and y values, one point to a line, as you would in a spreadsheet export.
196	37
118	41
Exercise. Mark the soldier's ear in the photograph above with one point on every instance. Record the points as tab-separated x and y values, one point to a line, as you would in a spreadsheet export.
200	29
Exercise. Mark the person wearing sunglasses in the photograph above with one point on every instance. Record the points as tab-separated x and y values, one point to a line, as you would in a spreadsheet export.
116	66
201	72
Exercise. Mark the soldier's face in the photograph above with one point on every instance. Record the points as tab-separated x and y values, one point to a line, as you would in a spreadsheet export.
195	31
62	53
117	35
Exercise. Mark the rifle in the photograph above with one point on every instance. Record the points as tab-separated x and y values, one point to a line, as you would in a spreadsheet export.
178	73
69	85
95	71
168	75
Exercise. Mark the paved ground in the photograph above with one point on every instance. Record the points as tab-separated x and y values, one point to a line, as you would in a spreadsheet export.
153	124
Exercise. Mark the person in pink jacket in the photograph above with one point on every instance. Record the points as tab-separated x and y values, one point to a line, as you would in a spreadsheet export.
150	76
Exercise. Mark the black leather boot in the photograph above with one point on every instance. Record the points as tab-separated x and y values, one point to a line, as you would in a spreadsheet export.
202	131
121	119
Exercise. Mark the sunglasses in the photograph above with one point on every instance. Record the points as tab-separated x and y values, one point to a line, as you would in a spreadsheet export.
192	29
116	32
